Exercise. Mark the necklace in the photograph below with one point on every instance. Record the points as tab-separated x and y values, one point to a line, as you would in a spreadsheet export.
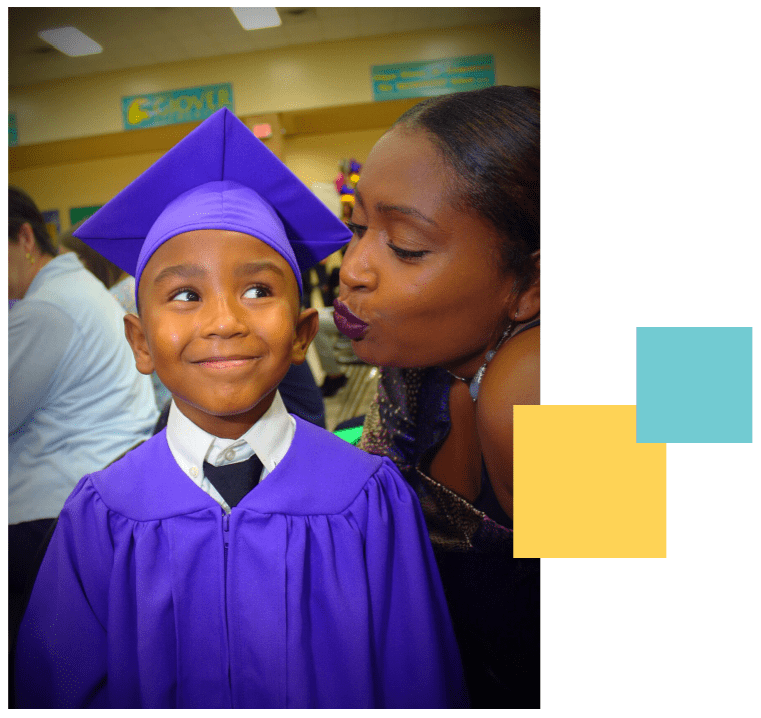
475	383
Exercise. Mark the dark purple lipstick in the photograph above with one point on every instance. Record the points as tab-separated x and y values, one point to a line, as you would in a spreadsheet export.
348	323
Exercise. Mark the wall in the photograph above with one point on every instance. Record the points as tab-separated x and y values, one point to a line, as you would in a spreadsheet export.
80	184
315	158
284	81
312	158
298	77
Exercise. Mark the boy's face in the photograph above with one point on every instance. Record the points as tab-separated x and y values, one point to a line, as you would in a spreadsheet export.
220	324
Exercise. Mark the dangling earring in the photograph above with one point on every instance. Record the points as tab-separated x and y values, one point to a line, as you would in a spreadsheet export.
30	257
475	383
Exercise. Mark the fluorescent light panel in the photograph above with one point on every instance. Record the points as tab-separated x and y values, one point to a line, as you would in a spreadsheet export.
255	18
70	41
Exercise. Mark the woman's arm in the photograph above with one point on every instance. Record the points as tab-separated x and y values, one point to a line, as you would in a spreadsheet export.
511	378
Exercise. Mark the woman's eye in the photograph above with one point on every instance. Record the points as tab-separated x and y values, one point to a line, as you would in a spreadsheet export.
407	253
357	229
185	295
257	292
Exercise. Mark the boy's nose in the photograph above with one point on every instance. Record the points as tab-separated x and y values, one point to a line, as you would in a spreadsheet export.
224	318
358	266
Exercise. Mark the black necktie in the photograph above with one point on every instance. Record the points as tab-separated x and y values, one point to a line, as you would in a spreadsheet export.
234	481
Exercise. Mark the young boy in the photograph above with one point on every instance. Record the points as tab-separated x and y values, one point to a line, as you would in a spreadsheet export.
242	557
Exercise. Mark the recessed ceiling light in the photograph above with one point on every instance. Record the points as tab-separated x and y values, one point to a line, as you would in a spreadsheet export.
255	18
70	41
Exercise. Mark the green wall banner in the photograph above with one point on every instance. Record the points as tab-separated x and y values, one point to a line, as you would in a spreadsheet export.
77	214
175	106
435	77
12	130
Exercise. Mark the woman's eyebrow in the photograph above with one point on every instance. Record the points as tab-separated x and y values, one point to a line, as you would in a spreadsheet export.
179	271
385	208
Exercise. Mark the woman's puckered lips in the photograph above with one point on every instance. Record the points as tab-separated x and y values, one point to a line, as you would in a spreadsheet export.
347	322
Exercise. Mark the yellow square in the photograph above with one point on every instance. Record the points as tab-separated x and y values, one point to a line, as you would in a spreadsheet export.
584	487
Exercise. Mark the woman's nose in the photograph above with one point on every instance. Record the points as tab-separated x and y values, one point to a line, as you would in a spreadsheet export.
358	265
224	318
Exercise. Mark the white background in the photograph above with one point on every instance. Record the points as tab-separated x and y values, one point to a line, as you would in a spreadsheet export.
651	206
651	201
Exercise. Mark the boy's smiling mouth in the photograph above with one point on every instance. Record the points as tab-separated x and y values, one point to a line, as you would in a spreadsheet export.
225	362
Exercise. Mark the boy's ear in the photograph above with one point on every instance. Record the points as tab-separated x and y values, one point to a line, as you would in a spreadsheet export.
307	325
133	330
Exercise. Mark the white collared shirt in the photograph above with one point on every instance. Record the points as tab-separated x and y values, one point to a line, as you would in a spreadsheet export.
270	438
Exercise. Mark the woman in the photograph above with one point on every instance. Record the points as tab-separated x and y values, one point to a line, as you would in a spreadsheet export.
120	284
75	399
440	285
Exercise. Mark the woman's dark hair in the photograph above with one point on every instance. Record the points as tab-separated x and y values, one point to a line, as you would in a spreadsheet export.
103	269
490	139
21	208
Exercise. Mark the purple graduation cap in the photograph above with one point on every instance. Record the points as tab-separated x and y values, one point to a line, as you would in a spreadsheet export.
218	177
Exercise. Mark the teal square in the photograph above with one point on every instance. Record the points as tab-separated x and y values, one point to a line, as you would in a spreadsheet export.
694	385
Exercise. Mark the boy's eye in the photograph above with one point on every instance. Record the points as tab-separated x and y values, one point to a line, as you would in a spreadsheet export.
257	292
358	229
185	295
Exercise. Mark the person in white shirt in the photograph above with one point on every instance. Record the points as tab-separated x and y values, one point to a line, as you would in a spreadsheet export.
75	400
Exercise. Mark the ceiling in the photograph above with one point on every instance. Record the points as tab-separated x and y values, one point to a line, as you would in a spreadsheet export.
139	36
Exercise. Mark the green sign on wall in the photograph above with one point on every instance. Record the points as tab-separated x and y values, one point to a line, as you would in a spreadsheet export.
436	77
12	130
175	106
77	214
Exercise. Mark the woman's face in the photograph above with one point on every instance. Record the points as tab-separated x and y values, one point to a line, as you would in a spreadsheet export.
424	276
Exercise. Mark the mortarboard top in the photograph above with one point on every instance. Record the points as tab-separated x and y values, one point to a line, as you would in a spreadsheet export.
218	177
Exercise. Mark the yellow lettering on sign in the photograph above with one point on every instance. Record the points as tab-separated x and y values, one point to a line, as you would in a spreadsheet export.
462	80
385	88
413	73
471	68
223	98
424	83
384	78
136	114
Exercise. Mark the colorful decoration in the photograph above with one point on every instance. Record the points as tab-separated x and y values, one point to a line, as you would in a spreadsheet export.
345	184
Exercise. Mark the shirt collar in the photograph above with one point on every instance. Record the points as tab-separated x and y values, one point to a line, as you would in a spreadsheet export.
269	438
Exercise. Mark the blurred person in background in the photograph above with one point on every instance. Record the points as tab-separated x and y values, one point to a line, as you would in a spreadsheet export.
118	283
76	401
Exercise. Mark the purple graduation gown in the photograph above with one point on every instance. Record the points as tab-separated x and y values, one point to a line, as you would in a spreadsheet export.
319	590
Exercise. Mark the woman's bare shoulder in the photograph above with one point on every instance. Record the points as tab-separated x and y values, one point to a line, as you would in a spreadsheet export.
512	377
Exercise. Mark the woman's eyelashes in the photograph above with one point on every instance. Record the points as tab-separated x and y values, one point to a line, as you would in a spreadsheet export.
358	229
408	254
